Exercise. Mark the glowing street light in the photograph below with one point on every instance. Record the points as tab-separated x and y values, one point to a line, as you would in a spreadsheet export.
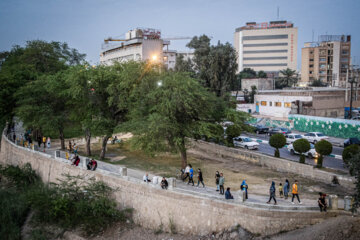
154	57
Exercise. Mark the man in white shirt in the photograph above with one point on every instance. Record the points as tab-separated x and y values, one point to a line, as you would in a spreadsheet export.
187	172
146	178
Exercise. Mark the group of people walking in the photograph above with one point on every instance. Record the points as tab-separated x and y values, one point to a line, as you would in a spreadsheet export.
188	172
284	191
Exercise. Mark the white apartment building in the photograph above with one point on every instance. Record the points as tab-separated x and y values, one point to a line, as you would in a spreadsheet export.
269	47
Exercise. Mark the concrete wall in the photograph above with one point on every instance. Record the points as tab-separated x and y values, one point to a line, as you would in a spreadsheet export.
277	164
260	83
191	214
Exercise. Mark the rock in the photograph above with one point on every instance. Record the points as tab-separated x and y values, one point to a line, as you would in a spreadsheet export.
218	235
243	234
234	235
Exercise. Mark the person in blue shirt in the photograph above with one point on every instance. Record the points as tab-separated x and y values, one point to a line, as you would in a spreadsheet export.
244	187
228	194
191	175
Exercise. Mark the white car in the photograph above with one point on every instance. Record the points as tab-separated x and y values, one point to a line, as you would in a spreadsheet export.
245	142
310	154
290	138
314	137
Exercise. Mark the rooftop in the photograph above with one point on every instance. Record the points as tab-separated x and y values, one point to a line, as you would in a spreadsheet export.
265	25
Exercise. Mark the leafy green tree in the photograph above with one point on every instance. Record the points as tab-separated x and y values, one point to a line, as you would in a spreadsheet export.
288	78
349	152
232	131
170	112
215	65
246	95
354	165
183	65
248	73
261	74
25	64
323	148
277	141
318	83
42	104
301	146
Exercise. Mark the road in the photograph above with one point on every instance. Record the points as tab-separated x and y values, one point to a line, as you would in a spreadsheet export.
330	162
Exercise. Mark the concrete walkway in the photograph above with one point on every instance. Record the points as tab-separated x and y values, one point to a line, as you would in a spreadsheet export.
209	192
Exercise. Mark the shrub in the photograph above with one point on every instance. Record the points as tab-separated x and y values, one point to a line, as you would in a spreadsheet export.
323	148
231	132
301	146
20	176
349	151
277	141
354	164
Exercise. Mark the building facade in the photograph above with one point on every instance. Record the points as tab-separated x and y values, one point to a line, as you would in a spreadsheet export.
269	47
327	60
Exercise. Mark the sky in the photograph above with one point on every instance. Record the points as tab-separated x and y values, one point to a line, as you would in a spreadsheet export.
84	24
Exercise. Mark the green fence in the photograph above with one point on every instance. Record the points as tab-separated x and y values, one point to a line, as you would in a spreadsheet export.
335	127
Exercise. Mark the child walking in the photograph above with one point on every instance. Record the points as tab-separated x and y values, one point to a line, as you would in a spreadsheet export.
281	193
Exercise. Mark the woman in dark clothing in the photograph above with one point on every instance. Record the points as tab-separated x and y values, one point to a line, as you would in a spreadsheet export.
272	193
228	194
200	178
286	188
164	183
322	202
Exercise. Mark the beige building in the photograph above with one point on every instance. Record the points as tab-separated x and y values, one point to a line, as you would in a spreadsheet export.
269	47
326	60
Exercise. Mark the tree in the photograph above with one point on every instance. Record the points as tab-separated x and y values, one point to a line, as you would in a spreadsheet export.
25	64
170	113
182	65
318	83
349	152
301	146
277	141
261	74
323	148
252	93
288	78
354	165
231	132
215	65
248	73
246	95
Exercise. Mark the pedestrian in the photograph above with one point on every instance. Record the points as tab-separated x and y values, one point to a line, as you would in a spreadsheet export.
200	178
217	178
221	183
70	146
48	142
164	184
286	189
191	175
14	137
228	194
322	202
44	141
281	192
187	170
272	193
39	141
295	192
76	160
30	141
146	178
244	187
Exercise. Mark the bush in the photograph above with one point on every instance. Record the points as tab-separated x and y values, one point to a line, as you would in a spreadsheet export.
231	132
21	177
277	141
301	146
349	151
354	164
323	148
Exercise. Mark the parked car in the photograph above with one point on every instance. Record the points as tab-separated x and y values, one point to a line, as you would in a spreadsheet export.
261	129
355	118
245	142
350	141
278	130
290	138
314	137
310	154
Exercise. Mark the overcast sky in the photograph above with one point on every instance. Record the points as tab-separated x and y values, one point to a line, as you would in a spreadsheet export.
83	24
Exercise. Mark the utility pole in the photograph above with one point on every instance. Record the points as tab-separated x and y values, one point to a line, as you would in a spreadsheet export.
353	78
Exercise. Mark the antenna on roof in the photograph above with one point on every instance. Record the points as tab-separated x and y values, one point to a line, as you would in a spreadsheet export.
312	36
278	12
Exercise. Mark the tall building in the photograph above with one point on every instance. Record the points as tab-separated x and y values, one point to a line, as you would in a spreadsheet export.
269	47
326	60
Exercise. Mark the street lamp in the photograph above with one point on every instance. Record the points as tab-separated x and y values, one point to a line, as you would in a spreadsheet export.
353	78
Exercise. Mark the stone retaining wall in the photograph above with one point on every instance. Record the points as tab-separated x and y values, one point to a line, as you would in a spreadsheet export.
278	164
154	207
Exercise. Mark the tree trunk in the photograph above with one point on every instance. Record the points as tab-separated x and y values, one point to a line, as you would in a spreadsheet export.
88	142
183	154
62	139
103	147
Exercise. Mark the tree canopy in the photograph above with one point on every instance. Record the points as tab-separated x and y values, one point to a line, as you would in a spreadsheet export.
288	78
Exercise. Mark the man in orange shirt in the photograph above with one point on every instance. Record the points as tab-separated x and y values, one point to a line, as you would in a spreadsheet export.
295	192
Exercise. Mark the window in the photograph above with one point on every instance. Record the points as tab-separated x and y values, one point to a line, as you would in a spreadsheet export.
311	60
263	103
311	65
321	72
270	104
322	59
344	59
310	72
287	105
277	104
322	66
345	52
